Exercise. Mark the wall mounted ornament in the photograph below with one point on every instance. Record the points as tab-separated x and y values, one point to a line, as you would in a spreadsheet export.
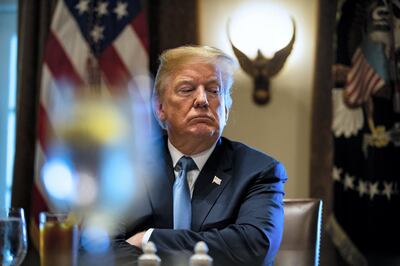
263	68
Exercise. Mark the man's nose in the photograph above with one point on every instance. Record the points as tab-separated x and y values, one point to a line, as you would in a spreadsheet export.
201	99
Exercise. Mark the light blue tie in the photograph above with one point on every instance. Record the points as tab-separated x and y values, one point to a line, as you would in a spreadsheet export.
182	202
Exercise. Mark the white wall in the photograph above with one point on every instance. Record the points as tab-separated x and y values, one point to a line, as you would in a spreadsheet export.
281	128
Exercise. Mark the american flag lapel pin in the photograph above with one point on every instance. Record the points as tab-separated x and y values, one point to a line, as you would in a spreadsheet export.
217	180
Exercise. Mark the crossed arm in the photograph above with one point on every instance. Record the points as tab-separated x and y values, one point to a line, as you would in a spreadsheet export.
253	238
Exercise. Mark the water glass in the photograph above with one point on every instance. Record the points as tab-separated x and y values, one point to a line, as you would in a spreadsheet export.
13	238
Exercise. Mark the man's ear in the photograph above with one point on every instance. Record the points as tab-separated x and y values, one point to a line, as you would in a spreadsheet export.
226	114
158	109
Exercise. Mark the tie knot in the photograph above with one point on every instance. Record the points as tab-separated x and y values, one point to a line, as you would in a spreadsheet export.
186	164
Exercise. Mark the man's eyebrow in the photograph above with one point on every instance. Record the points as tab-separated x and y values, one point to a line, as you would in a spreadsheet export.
213	80
184	81
183	78
188	80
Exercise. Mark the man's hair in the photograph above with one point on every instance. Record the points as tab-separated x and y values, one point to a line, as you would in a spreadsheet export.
173	59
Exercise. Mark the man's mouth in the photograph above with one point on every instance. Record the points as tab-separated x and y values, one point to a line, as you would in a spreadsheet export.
200	118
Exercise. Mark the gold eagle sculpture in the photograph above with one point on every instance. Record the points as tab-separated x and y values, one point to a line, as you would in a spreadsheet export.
262	69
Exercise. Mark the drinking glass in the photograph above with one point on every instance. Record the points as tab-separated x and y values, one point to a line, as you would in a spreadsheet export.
58	240
13	239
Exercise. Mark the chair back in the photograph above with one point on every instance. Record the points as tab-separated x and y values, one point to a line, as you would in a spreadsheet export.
302	232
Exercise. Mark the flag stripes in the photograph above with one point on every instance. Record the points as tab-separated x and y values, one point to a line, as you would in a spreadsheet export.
114	69
58	62
140	27
362	80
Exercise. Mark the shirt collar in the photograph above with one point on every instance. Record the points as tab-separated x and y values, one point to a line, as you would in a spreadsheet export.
200	158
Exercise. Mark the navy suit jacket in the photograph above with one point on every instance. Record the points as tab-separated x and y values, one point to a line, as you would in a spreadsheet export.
240	219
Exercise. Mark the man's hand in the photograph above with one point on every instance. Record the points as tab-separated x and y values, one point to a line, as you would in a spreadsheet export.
136	240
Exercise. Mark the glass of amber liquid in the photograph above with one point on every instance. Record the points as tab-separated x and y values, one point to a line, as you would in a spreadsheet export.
58	240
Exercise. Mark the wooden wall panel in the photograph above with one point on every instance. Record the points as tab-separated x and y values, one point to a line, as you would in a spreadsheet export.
172	23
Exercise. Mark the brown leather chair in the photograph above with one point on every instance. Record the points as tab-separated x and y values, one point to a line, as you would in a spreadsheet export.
302	232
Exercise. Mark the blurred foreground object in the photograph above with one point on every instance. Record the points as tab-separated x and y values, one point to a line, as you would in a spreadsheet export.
58	240
97	47
13	238
96	164
149	257
200	257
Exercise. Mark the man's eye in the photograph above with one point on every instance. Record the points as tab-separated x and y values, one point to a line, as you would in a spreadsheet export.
214	90
185	89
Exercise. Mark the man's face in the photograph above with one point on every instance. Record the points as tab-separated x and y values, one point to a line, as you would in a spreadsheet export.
192	104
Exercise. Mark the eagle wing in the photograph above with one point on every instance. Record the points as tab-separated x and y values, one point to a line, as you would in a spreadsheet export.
275	64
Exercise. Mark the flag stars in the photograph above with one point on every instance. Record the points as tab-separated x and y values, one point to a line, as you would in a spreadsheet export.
82	6
336	172
373	190
362	188
348	182
97	33
387	189
121	10
101	9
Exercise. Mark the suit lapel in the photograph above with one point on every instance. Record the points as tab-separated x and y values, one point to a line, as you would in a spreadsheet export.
212	180
161	191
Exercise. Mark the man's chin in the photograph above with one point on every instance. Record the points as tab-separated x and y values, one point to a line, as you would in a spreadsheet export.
204	131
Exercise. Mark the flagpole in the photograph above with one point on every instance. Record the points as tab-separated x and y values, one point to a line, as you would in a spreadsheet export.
92	66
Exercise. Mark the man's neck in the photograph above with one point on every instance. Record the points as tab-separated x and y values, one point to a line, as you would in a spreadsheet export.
192	147
200	158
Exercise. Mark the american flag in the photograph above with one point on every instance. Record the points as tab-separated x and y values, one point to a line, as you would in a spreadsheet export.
89	42
368	73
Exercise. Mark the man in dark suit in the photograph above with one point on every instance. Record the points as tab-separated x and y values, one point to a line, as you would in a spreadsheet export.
208	188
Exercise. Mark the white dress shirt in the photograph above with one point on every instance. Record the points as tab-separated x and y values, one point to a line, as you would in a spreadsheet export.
200	159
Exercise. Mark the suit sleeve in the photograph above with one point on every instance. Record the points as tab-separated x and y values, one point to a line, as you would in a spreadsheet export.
120	253
253	238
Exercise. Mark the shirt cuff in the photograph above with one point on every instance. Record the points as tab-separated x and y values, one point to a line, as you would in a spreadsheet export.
146	236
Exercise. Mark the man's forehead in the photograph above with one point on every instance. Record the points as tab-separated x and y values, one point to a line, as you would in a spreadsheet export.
192	71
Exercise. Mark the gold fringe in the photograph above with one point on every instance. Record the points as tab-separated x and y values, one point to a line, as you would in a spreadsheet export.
349	252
